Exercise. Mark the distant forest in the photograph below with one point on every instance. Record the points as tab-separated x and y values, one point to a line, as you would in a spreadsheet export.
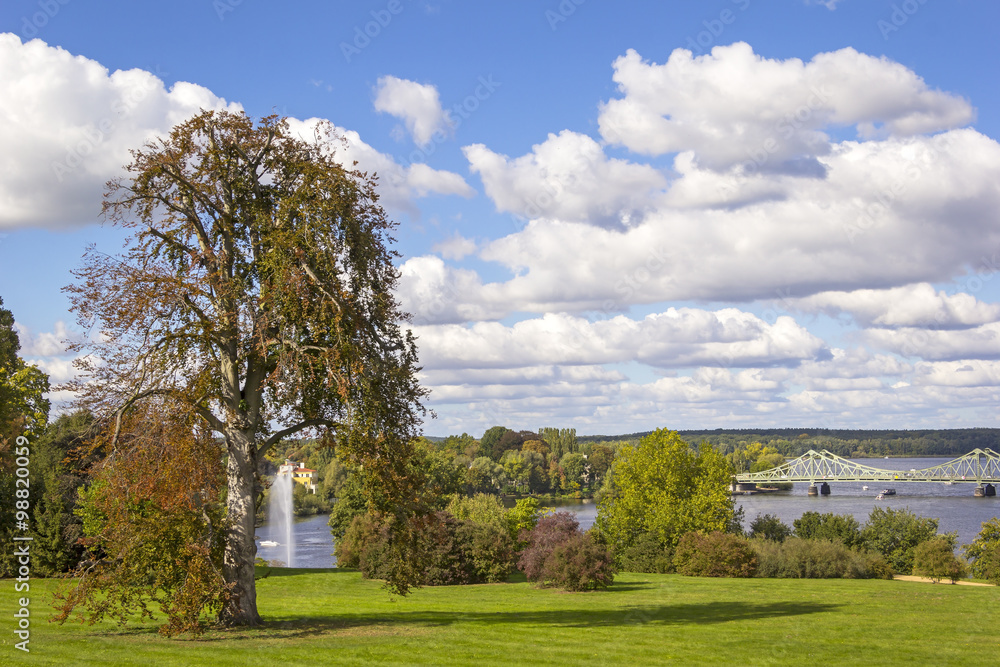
849	443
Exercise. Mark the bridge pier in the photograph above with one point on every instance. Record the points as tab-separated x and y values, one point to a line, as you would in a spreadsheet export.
813	489
824	489
987	491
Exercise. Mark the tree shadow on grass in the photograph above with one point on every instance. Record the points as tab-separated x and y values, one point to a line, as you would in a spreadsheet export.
666	615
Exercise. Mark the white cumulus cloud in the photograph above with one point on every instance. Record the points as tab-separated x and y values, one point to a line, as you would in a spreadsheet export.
733	107
68	125
917	305
418	105
569	177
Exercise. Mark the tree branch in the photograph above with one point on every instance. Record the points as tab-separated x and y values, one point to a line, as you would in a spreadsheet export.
284	433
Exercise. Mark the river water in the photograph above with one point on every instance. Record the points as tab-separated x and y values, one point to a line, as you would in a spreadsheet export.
954	506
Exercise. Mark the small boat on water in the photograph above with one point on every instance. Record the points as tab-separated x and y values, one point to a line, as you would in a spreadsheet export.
268	543
864	488
885	492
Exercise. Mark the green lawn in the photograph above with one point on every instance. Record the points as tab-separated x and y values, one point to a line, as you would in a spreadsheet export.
316	617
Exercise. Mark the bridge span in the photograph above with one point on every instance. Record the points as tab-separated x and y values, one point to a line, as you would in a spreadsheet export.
980	467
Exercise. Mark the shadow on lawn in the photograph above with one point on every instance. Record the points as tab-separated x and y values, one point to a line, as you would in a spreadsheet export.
667	614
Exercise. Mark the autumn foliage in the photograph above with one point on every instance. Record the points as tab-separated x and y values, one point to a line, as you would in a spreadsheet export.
154	523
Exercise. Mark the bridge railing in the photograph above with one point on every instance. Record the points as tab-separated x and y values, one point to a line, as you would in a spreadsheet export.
979	465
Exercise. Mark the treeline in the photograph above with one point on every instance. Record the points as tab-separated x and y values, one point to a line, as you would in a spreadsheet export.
554	461
503	461
792	442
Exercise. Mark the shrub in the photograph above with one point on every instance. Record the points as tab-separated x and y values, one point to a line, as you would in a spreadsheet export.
646	554
875	566
841	527
579	563
769	527
936	559
896	533
480	508
365	546
448	551
797	558
551	530
447	561
488	549
985	552
717	554
352	502
522	518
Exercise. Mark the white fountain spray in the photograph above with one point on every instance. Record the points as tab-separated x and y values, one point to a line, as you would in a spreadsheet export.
280	512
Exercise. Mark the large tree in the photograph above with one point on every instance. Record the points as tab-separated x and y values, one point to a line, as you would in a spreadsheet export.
256	291
665	488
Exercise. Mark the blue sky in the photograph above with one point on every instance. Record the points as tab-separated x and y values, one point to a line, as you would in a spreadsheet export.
613	216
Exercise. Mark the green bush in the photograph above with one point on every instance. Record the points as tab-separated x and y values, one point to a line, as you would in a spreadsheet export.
936	559
875	566
447	563
796	558
579	563
646	554
522	518
841	527
717	554
480	508
489	549
449	551
769	527
364	546
896	533
984	552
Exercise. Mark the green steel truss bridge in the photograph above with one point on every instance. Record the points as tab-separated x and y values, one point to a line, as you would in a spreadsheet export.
980	466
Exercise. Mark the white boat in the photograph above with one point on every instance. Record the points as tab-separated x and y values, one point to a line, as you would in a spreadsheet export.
268	543
864	488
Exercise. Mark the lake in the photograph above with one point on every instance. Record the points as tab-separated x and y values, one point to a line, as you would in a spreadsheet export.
954	506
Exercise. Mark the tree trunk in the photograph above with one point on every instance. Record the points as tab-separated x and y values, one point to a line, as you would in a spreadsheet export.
241	549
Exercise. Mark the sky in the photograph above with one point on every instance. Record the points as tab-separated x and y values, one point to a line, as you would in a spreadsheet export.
612	216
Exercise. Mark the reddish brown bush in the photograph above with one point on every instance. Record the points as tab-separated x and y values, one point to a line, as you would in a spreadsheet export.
550	531
579	563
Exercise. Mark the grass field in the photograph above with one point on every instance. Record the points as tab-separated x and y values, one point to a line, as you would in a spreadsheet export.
320	617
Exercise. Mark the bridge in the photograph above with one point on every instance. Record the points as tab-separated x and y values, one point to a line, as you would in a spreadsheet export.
979	467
